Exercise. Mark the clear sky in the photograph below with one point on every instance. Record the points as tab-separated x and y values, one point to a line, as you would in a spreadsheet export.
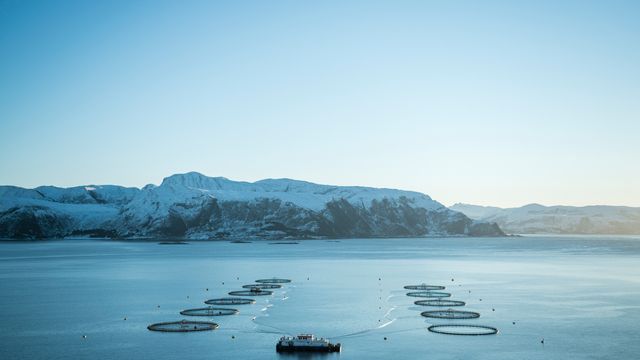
488	102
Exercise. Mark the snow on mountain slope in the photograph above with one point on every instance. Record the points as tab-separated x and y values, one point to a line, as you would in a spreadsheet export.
90	194
196	206
12	195
535	218
51	212
301	193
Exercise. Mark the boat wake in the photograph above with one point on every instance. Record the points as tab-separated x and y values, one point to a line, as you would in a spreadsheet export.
274	329
386	315
368	331
386	324
363	332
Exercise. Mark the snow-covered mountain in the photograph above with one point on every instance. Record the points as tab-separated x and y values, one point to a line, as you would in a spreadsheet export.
537	219
196	206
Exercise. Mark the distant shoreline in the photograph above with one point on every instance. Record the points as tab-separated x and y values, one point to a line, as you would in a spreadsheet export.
165	240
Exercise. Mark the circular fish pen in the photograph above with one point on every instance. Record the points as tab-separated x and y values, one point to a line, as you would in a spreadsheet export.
262	286
209	311
252	292
439	302
429	294
424	287
273	281
450	314
230	301
183	326
465	330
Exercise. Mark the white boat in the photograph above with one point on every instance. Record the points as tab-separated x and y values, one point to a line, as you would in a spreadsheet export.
305	342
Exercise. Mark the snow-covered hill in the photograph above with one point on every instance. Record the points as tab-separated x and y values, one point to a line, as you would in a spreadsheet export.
535	218
196	206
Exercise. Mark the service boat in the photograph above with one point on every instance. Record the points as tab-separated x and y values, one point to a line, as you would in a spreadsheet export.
305	342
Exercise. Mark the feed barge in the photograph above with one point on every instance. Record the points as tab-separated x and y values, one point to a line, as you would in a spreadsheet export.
305	343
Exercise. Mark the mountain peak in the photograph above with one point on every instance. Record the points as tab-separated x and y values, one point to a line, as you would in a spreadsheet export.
195	179
534	206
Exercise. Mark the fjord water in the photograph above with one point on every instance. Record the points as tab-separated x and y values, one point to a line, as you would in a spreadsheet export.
580	294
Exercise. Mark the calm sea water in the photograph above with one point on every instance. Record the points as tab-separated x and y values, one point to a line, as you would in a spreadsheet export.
580	294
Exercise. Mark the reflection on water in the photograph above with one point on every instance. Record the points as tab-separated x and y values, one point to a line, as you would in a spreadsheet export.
93	299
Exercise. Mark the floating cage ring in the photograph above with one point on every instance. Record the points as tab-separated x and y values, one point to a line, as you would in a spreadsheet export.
465	330
262	286
252	292
424	287
439	302
429	294
209	311
273	281
450	314
183	326
230	301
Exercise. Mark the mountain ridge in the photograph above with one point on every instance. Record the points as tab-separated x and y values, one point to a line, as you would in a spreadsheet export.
559	219
195	206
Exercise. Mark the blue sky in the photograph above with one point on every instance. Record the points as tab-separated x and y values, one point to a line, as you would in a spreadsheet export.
496	103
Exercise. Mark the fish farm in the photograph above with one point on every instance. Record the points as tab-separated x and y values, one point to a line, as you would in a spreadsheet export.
424	287
273	281
209	311
429	294
183	326
262	286
450	314
230	301
252	292
463	329
439	302
435	299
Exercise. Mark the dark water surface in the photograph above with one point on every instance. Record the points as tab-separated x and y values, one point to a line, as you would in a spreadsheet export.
581	294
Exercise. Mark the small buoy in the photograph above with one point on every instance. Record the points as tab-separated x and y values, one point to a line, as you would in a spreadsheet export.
84	336
125	318
385	338
307	278
378	320
158	306
380	279
207	289
223	283
493	309
451	279
233	336
480	299
469	291
238	278
514	323
542	341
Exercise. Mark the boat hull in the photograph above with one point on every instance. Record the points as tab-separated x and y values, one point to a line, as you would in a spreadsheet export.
294	348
